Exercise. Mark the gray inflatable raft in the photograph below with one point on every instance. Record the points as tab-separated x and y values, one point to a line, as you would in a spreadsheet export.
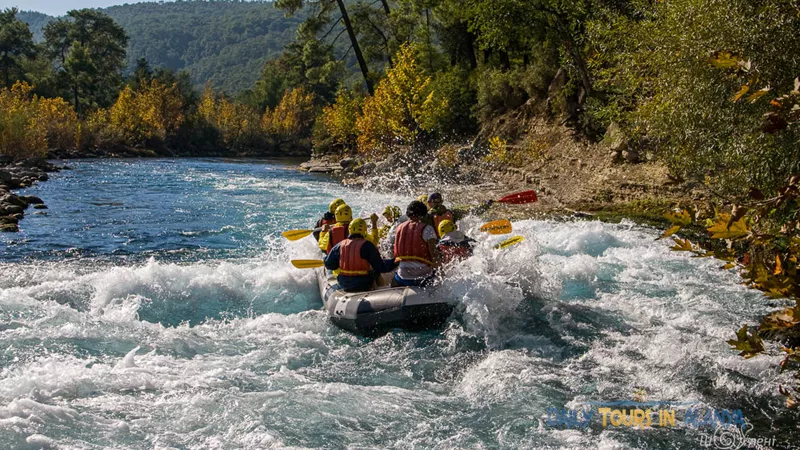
373	312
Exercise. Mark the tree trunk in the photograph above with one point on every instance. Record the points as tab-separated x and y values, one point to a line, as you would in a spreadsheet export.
386	7
470	43
505	59
580	64
356	49
77	101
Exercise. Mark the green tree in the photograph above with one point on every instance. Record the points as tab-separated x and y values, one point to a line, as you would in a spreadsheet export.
89	52
323	16
16	44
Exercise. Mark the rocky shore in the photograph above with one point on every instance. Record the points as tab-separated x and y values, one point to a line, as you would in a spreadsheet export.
574	177
17	176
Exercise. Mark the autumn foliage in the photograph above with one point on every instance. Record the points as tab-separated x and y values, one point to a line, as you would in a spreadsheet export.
29	124
404	107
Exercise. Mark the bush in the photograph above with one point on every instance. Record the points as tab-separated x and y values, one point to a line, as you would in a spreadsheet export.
292	118
673	74
149	113
404	108
29	125
239	126
498	91
337	123
458	87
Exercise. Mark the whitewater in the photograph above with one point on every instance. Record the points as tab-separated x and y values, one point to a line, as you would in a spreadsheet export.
153	305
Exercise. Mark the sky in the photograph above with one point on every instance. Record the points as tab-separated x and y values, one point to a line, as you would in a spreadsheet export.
60	7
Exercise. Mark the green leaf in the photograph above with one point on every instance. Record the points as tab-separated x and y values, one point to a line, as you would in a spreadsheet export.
749	344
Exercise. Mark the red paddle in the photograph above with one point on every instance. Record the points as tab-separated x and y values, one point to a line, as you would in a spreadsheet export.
520	198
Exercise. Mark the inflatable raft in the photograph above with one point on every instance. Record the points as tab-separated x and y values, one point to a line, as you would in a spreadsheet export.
384	308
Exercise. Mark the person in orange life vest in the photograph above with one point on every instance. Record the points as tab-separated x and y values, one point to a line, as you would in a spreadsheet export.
454	245
357	260
439	212
415	249
340	231
329	218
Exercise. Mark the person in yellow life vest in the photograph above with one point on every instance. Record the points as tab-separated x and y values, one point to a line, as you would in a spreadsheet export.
438	212
329	218
357	260
415	249
333	235
454	244
393	218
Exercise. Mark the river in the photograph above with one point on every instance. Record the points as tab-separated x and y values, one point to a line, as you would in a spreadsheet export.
153	306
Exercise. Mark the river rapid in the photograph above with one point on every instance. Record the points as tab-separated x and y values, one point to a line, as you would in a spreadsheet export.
154	306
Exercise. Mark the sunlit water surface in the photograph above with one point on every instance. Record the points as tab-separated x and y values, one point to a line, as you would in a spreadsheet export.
154	306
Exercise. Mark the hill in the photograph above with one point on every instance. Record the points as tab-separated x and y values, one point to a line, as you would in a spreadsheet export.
222	42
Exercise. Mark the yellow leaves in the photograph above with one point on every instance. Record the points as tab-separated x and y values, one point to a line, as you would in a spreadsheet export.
722	229
724	60
778	265
292	116
682	245
339	119
29	125
741	93
758	94
404	105
679	217
672	230
152	111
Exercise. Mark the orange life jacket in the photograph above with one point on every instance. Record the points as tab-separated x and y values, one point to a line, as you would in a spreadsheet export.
350	261
452	251
409	245
439	218
337	234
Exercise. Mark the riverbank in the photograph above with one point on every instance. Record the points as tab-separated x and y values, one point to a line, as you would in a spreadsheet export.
573	176
20	175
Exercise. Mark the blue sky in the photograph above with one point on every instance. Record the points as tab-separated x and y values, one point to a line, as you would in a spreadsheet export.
59	7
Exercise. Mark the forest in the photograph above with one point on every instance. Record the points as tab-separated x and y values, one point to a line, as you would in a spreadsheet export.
709	87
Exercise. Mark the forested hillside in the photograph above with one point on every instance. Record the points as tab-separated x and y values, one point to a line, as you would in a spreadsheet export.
224	42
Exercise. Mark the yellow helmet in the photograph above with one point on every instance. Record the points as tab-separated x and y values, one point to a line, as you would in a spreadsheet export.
358	226
344	214
423	198
335	204
446	226
392	211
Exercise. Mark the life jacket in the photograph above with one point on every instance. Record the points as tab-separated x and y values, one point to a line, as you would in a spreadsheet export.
322	222
439	218
336	234
409	245
454	251
350	261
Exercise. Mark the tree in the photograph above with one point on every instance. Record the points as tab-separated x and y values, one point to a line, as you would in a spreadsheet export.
325	6
16	44
89	52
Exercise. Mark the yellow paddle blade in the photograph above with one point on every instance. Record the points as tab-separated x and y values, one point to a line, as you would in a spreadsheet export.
307	263
497	227
509	242
296	235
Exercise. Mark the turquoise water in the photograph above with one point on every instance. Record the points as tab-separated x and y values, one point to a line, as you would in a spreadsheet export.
154	306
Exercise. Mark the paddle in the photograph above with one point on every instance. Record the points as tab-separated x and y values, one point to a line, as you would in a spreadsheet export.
519	198
509	242
296	235
308	263
497	227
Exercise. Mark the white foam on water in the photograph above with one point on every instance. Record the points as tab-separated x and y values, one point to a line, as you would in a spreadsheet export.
237	354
